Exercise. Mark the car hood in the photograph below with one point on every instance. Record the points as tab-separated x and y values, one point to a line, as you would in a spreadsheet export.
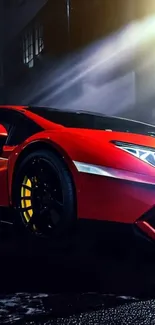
117	129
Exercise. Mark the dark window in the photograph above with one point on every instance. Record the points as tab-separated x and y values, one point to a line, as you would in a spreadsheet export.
32	44
39	43
22	130
71	119
28	52
6	119
18	126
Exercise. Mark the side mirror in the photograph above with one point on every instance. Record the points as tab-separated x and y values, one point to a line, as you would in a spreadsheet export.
3	131
3	137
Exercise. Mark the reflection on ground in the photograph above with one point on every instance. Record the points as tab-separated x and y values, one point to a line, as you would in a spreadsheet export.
24	308
63	309
81	283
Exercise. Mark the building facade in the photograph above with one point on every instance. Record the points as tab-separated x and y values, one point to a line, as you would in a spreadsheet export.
82	54
1	51
18	13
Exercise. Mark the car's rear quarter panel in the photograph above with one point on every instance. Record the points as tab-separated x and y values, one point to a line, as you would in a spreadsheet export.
4	197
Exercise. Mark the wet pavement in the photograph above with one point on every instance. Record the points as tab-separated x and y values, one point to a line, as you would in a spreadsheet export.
90	308
77	283
80	309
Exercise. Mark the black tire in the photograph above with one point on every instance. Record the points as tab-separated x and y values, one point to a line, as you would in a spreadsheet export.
59	170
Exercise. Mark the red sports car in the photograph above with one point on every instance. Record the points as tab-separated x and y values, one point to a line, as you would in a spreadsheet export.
57	167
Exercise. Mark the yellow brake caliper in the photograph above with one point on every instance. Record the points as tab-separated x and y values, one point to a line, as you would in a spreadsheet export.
26	200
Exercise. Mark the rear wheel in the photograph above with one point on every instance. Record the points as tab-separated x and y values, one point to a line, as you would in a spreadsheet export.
43	195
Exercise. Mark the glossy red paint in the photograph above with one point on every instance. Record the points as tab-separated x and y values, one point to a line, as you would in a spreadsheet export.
99	197
124	198
14	107
108	199
4	194
7	150
3	131
48	138
95	147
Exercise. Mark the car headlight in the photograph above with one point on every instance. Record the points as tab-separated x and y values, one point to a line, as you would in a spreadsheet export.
144	153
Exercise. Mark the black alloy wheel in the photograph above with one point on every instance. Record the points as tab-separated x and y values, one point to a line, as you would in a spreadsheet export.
44	195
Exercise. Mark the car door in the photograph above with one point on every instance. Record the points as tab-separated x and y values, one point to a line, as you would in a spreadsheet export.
7	121
15	128
3	167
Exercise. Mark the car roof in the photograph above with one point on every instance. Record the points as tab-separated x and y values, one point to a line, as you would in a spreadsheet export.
36	109
21	108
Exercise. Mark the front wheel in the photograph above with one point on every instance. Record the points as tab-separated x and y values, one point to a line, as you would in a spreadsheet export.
43	195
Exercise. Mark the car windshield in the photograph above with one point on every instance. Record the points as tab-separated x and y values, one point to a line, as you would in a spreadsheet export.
71	119
94	121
